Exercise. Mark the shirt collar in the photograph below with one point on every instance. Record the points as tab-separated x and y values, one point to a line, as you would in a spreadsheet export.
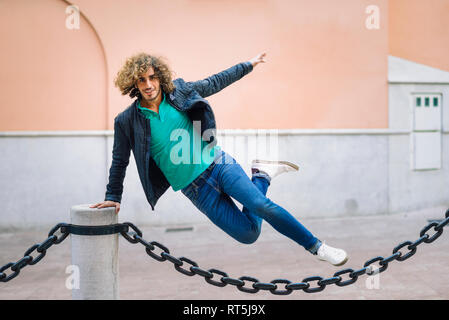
150	114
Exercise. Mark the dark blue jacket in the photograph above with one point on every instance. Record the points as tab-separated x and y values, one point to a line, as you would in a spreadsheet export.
132	131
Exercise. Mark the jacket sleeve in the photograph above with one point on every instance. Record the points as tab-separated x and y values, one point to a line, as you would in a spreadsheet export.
120	160
219	81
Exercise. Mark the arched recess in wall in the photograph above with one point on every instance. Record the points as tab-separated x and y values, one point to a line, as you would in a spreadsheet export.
52	77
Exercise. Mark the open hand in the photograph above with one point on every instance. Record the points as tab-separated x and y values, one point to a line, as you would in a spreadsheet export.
258	59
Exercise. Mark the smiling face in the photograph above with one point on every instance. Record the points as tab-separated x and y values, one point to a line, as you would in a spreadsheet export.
149	86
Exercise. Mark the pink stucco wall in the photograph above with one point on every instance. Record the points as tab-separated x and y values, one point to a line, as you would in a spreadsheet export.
324	68
419	31
51	78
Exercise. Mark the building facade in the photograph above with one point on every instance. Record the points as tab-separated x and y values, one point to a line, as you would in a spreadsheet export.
355	92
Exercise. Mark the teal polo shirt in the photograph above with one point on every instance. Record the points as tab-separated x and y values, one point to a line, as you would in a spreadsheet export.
176	147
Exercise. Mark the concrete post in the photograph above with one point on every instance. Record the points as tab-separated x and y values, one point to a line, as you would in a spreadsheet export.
95	257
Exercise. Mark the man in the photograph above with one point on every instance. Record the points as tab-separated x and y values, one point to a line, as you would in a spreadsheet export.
167	110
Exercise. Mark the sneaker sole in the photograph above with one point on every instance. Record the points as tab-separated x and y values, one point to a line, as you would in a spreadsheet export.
338	264
343	262
294	166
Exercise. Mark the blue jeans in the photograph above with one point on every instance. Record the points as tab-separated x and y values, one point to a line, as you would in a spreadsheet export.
211	193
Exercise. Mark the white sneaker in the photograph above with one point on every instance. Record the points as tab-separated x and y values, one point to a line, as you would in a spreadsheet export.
335	256
273	168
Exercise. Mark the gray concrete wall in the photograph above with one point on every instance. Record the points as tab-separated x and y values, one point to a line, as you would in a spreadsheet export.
42	176
342	173
410	189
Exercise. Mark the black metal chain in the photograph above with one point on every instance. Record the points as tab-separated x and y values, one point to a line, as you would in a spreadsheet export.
306	284
312	284
40	248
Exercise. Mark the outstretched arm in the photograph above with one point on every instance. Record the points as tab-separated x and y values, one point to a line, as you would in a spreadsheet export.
219	81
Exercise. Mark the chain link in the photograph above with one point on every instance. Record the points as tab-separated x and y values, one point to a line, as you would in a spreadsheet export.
431	239
402	257
306	284
321	286
249	290
352	277
284	292
189	272
216	283
131	236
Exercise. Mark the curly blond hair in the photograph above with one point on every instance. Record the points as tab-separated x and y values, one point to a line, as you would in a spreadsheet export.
137	65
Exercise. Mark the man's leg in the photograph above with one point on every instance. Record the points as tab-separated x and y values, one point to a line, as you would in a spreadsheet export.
262	185
233	181
278	217
206	192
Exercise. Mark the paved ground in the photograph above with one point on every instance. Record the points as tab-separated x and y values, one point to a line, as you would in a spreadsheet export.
423	276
